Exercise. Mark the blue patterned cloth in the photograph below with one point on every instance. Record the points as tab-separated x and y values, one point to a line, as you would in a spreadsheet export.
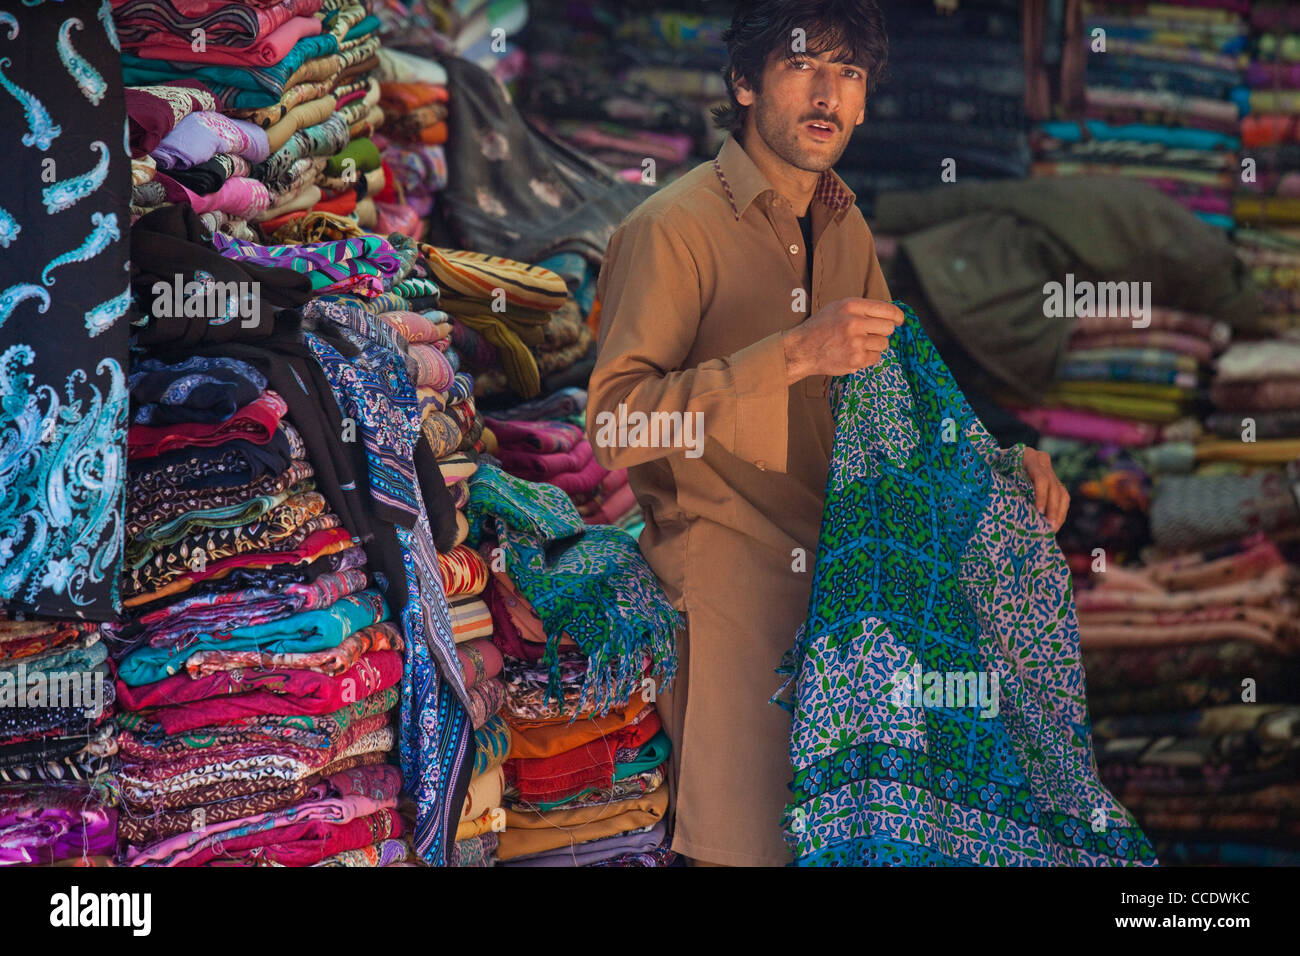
435	733
65	310
939	711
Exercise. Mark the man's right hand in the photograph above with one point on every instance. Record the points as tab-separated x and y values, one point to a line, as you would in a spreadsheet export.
840	338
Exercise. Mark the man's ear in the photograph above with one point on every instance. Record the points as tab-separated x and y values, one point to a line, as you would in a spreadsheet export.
861	117
744	94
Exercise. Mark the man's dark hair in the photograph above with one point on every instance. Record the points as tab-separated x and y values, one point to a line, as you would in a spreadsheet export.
853	28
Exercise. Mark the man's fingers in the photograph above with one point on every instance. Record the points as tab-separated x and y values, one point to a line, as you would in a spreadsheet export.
873	325
1063	507
874	308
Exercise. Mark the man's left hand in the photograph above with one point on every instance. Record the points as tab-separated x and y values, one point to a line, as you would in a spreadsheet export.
1050	496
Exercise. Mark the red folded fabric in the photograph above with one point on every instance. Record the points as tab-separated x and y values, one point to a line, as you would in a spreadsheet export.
255	422
295	692
480	660
267	50
302	844
548	779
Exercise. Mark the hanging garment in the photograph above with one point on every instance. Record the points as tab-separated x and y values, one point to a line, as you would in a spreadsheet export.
933	560
65	308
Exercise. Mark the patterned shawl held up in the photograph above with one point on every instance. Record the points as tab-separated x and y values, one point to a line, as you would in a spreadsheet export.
589	581
933	558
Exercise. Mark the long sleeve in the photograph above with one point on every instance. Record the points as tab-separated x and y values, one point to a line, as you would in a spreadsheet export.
650	293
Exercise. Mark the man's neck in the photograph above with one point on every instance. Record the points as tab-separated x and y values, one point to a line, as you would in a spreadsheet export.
795	185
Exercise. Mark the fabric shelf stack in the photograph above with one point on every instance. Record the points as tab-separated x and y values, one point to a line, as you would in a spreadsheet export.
1270	128
58	794
1163	102
248	124
575	765
257	667
624	86
951	104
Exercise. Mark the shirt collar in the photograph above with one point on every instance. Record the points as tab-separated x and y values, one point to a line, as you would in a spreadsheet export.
743	182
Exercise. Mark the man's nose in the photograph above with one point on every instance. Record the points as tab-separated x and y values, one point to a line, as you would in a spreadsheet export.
825	93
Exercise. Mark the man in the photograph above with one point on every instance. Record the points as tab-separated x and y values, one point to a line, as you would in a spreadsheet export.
731	297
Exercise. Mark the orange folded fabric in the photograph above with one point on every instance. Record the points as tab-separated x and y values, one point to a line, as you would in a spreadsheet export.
546	738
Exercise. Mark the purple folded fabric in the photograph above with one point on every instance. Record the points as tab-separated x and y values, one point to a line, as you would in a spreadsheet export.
45	824
606	848
200	136
532	466
542	437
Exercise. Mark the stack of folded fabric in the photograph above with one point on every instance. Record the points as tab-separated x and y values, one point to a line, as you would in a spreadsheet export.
952	101
1270	129
558	453
1163	102
239	124
624	86
1256	395
583	629
57	744
1120	382
1272	256
1192	675
413	93
1122	411
256	667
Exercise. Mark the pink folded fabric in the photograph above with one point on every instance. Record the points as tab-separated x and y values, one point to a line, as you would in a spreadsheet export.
432	370
1089	426
612	482
240	197
416	328
582	482
541	437
532	466
265	51
1199	348
614	507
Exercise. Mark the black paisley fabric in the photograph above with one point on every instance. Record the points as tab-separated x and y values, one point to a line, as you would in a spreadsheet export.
65	308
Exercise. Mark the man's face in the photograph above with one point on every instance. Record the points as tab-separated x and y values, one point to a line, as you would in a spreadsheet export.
808	108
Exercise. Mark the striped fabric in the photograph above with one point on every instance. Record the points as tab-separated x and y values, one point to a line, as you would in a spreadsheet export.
476	275
464	572
470	619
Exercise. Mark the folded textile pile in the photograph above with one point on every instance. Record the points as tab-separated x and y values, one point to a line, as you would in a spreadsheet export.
247	124
558	453
628	87
1163	102
257	667
1270	125
573	766
951	104
57	744
414	95
1193	664
478	31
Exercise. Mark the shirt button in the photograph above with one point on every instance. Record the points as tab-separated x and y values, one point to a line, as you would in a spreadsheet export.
794	250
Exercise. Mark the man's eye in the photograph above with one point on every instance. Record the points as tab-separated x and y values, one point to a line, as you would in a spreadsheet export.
852	73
